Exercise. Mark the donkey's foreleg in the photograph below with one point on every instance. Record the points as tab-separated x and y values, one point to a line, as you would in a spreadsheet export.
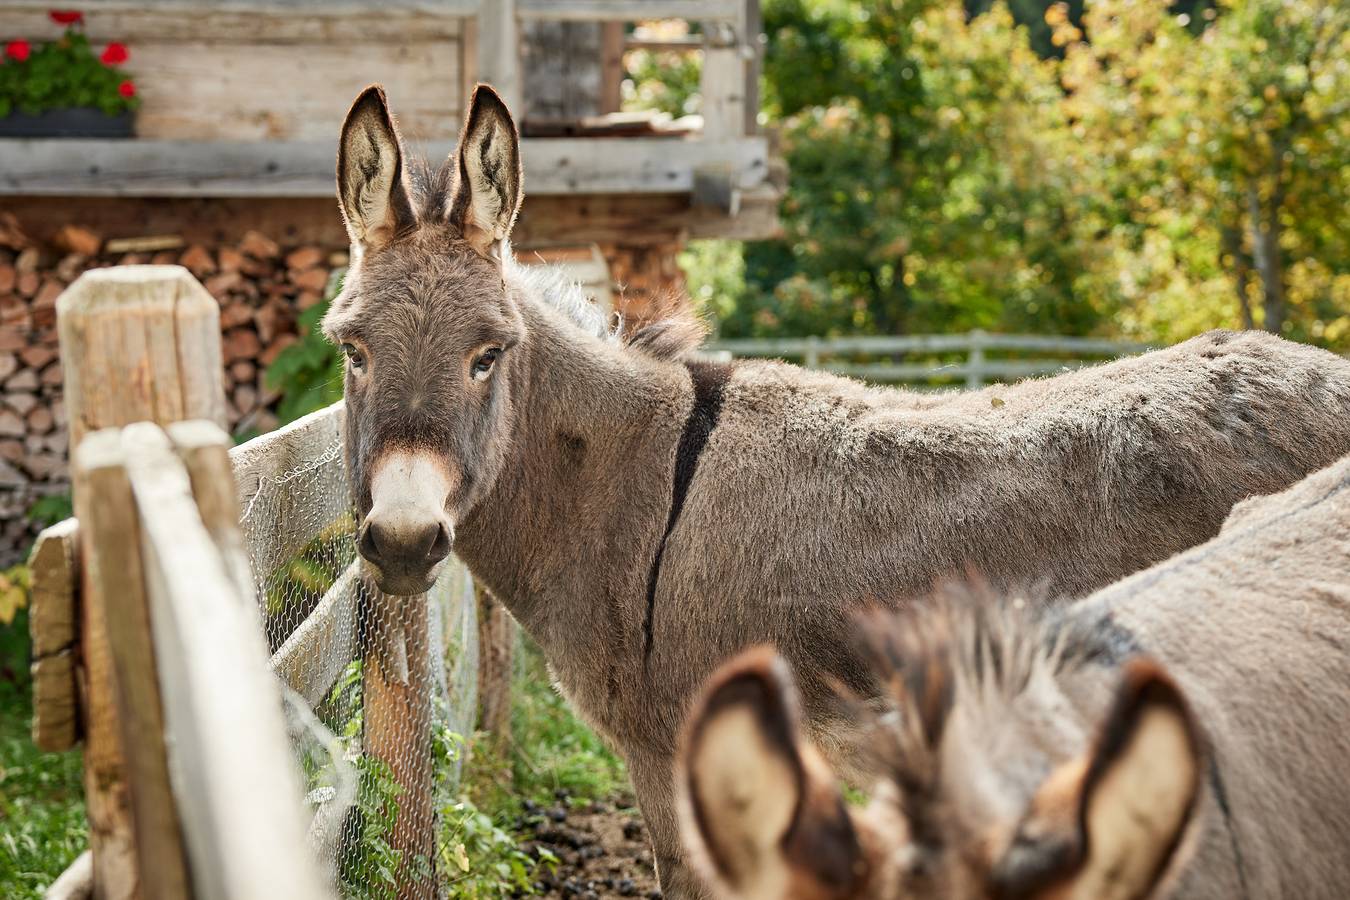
654	784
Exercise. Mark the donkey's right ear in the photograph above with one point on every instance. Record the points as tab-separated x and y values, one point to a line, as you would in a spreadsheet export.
760	812
371	191
1130	800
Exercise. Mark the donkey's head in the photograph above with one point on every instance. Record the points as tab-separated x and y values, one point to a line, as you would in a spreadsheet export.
763	816
427	326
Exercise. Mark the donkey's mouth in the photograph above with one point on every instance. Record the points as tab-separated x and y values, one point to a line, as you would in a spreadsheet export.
403	583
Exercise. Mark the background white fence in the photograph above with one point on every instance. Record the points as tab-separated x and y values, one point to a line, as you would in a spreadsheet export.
939	360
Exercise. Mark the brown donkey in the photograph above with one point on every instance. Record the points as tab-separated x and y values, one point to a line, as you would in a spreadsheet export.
1182	733
645	516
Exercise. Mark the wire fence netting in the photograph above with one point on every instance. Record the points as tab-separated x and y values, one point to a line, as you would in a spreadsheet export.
379	691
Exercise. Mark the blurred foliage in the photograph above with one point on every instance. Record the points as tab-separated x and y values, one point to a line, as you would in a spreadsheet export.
42	818
309	372
1131	168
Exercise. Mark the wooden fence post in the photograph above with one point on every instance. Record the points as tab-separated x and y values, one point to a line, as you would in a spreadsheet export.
397	684
496	645
137	343
975	361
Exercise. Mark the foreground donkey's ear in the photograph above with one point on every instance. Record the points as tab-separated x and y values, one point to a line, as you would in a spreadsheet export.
371	191
1132	798
488	192
760	812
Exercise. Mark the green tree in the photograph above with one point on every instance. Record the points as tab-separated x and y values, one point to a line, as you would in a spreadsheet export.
927	190
1220	162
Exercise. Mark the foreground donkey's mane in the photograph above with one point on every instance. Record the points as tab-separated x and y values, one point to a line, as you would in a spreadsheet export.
671	330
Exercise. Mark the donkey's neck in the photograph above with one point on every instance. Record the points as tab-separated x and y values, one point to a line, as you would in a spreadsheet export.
566	535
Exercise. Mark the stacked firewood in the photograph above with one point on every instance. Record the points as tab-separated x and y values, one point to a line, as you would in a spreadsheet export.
260	285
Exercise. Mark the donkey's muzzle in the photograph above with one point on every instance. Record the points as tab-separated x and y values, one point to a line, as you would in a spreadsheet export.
406	554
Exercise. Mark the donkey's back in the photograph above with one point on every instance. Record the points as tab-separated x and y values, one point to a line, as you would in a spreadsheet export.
1255	627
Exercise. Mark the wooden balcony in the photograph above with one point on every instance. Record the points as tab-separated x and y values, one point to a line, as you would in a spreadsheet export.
243	98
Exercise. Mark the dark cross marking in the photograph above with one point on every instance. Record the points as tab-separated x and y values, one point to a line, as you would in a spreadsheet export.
709	379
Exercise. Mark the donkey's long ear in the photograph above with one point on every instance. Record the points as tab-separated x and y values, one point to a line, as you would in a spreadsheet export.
760	812
488	191
1132	799
371	191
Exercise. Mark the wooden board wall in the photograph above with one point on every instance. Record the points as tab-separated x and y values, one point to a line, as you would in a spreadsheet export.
268	75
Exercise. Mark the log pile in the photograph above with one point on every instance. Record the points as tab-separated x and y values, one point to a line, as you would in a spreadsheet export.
261	287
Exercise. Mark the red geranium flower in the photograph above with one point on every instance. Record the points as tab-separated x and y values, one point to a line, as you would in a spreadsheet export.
114	55
18	50
66	16
127	89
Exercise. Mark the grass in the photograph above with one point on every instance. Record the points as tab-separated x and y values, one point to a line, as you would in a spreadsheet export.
553	755
42	825
552	758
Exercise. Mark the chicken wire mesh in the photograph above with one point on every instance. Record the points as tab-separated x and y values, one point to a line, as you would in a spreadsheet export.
379	691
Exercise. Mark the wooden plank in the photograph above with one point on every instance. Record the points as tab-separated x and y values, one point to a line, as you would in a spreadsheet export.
159	168
612	47
627	10
54	570
112	557
52	624
238	100
137	343
230	759
317	652
286	521
498	52
76	882
616	218
496	649
562	67
244	21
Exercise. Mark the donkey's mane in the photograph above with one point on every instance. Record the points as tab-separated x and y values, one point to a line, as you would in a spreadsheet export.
671	331
969	644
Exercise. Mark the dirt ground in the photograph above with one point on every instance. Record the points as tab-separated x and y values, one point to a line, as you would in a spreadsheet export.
602	849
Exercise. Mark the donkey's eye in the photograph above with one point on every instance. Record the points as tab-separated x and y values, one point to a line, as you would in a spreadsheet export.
354	356
482	366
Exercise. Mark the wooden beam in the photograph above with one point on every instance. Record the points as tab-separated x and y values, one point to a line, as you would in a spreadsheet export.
137	343
52	624
112	556
498	53
239	796
158	168
627	10
612	47
317	652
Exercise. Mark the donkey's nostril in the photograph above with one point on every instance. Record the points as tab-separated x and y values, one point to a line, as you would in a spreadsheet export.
440	547
367	544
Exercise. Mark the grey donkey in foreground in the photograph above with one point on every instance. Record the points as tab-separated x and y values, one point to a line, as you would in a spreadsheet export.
645	516
1183	733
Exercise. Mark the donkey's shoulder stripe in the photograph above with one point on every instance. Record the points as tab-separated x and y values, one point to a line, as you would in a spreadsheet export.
709	380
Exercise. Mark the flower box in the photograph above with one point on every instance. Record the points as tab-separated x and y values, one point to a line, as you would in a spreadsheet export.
63	88
71	122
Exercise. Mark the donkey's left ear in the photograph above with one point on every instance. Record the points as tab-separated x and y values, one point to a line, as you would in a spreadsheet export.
488	192
761	813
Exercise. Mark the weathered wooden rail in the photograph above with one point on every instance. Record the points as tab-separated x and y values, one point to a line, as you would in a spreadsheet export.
841	355
190	776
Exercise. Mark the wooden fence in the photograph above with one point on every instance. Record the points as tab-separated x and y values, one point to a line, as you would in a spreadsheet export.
925	358
148	637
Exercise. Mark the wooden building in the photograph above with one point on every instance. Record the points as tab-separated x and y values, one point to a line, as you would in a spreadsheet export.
242	102
231	171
